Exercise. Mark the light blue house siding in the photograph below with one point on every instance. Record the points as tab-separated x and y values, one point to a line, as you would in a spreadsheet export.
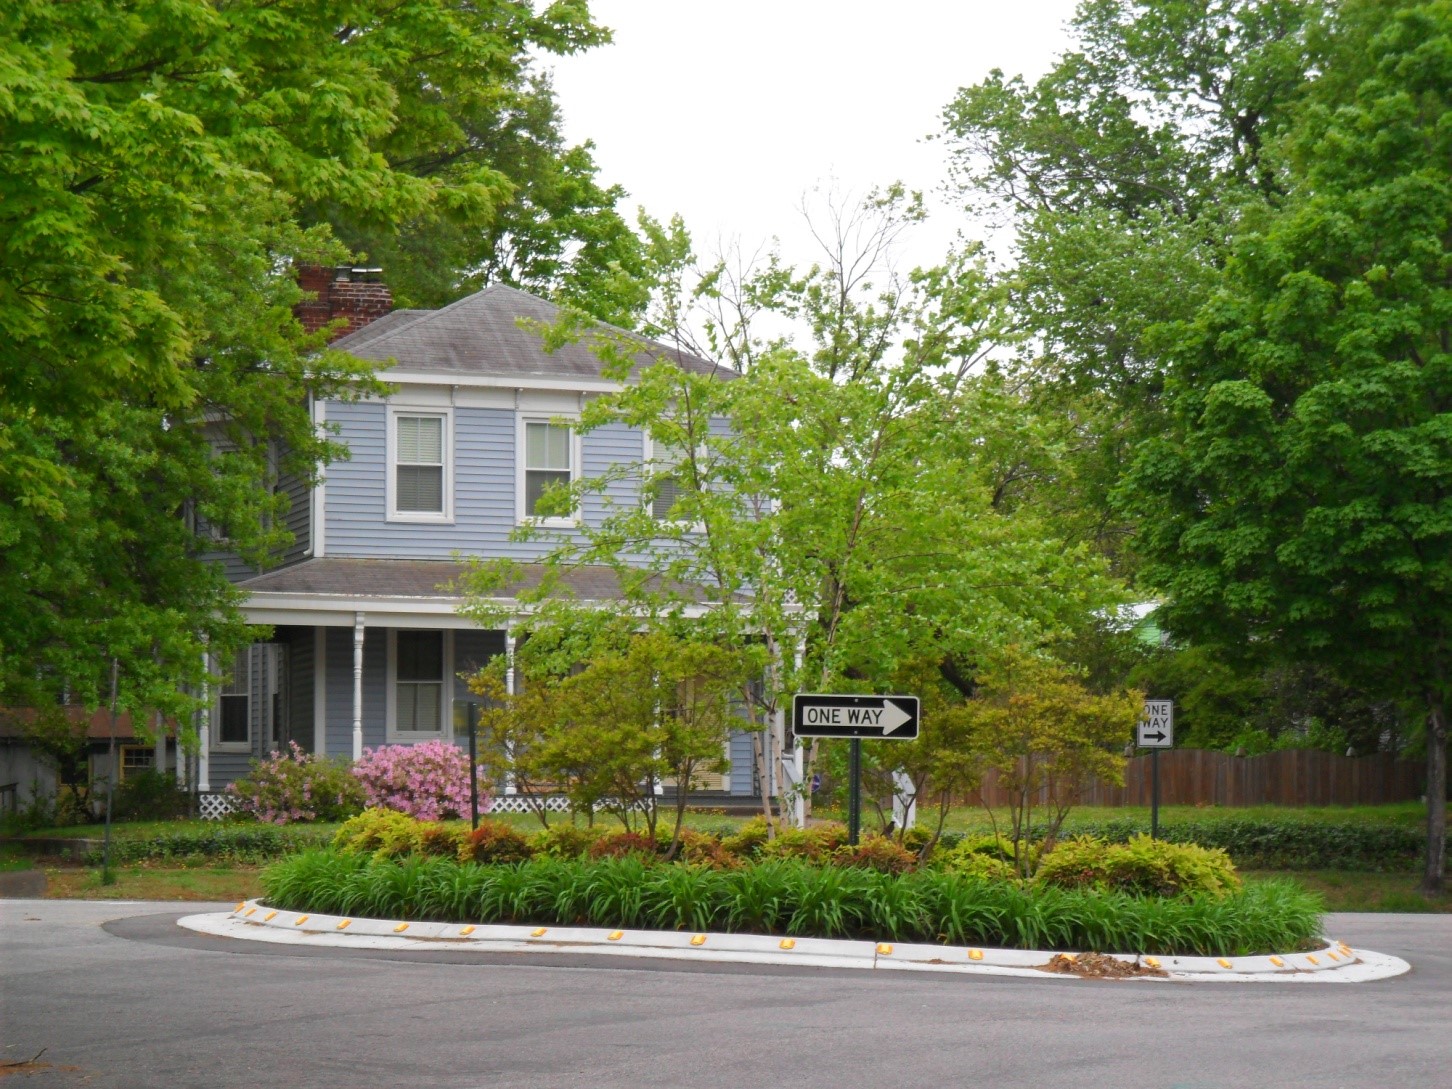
485	480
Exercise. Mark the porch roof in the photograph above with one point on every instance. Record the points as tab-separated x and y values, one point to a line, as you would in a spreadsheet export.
400	587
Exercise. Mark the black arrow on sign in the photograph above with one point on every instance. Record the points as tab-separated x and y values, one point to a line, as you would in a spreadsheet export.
1158	737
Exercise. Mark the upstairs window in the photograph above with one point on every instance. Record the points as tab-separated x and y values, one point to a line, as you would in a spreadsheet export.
549	460
665	485
420	471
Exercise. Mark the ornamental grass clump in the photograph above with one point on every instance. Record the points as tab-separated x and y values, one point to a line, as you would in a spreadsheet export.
784	896
429	781
295	786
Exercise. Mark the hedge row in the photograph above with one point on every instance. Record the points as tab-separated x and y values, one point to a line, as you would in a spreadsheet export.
220	842
796	898
1289	844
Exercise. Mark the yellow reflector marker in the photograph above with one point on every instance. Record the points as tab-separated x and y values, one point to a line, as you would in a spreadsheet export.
1153	962
300	920
787	943
269	916
615	935
240	906
975	954
1311	957
250	911
883	949
698	939
345	924
1223	962
1333	956
1278	962
538	932
466	932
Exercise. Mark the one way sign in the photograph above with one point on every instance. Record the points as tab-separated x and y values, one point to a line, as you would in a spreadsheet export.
891	717
1157	727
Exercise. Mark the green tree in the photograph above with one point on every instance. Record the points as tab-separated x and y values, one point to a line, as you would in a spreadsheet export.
163	164
1045	735
836	500
1302	503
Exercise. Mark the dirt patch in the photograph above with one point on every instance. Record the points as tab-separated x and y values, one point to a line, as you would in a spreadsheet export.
1098	966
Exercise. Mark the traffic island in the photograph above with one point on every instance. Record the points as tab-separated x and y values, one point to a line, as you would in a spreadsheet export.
252	920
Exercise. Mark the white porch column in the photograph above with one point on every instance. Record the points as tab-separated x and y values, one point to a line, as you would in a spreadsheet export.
509	645
357	686
204	733
904	801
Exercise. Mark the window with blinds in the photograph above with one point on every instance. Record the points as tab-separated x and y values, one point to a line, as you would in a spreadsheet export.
234	725
419	465
665	487
547	461
418	681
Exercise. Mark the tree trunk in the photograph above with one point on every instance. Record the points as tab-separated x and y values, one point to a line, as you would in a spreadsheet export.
1435	879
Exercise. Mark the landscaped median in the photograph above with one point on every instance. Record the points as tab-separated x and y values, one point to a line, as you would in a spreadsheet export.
1329	962
1139	909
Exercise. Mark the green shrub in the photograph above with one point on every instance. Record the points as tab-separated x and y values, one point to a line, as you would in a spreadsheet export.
982	867
747	840
789	897
1141	867
815	844
876	853
214	841
150	795
704	849
565	840
383	833
494	842
621	844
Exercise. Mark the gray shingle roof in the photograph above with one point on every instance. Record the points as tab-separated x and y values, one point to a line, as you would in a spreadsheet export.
481	334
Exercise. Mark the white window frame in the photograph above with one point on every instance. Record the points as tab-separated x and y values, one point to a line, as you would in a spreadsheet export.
392	513
445	729
648	467
522	422
218	745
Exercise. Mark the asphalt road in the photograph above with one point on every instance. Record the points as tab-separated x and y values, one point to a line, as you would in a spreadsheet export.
117	996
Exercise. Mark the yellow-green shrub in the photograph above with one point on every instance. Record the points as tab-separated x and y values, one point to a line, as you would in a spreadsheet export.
1141	867
386	833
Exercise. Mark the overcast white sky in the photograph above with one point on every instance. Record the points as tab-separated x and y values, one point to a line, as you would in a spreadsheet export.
728	113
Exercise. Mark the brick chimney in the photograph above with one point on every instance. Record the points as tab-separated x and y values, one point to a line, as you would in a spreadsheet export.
357	294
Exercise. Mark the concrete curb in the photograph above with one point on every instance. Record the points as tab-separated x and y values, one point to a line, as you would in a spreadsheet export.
250	920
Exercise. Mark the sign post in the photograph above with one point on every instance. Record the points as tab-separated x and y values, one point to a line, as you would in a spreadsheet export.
1156	731
471	716
891	718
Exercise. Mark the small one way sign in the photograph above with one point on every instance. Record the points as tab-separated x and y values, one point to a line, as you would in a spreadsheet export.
818	715
1157	726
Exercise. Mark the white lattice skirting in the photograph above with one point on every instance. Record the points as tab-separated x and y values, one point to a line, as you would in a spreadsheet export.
213	807
517	803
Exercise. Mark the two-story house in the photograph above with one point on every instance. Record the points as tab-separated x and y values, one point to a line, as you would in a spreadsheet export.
368	644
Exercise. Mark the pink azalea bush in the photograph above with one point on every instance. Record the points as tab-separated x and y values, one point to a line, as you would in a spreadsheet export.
297	786
429	781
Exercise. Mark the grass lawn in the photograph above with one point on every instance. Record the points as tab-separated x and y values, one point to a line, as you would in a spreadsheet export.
154	883
1354	890
961	819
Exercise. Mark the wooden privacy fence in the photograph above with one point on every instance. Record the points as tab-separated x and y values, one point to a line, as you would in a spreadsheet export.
1292	777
